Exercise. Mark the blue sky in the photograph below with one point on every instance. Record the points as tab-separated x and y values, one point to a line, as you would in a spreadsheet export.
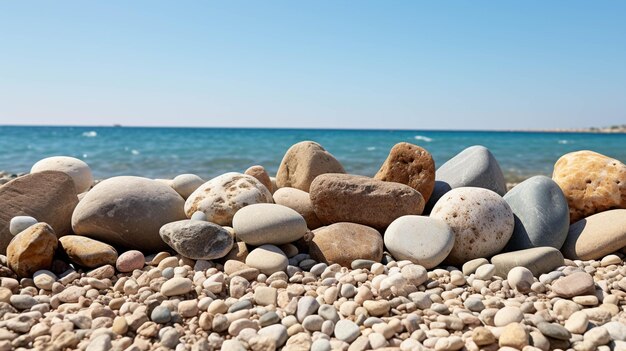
327	64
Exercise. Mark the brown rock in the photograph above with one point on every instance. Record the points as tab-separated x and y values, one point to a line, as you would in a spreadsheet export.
575	284
591	183
300	202
596	236
88	252
261	175
303	162
363	200
343	243
48	196
32	250
411	165
514	335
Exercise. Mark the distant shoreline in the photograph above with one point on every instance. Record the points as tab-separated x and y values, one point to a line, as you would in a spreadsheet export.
591	130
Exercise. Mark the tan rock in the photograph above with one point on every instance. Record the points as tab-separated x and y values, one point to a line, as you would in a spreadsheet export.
596	236
48	196
299	201
411	165
261	175
357	199
514	335
343	243
32	250
303	162
591	183
88	252
222	196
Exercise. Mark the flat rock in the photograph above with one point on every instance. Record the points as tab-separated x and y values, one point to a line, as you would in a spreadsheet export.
473	167
300	202
128	212
357	199
422	240
88	252
176	286
260	224
591	182
221	197
538	260
48	196
198	240
268	259
343	243
575	284
32	250
596	236
75	168
411	165
303	162
541	214
481	220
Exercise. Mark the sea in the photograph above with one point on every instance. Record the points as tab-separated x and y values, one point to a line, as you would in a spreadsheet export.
208	152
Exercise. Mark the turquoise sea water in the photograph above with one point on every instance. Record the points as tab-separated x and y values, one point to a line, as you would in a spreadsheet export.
166	152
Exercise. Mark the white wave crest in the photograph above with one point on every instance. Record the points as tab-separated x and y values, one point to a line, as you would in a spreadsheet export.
423	138
564	141
371	148
90	134
135	152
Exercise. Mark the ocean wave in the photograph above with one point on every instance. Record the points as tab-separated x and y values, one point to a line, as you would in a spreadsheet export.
371	148
134	152
564	141
90	134
423	138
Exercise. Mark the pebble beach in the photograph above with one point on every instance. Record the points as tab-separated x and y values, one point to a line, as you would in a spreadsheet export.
418	257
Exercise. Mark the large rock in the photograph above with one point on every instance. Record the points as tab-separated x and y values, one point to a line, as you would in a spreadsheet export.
303	162
538	260
541	214
260	224
261	175
48	196
422	240
350	198
411	165
32	250
343	243
596	236
222	196
591	183
198	240
480	219
128	212
75	168
473	167
268	259
88	252
300	202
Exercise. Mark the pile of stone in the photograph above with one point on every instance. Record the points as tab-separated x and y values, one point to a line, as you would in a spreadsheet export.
315	258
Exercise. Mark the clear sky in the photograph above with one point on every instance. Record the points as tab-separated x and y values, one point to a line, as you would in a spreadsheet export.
327	64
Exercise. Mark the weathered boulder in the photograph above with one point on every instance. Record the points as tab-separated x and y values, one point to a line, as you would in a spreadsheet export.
75	168
303	162
591	183
32	250
411	165
198	240
88	252
222	196
357	199
343	243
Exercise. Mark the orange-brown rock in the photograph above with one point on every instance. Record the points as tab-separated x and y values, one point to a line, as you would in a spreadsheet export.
88	252
357	199
591	183
261	175
48	196
303	162
343	243
32	250
411	165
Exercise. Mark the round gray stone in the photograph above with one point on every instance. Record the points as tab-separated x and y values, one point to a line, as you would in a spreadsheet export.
538	260
541	214
161	315
20	223
346	330
198	240
553	330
